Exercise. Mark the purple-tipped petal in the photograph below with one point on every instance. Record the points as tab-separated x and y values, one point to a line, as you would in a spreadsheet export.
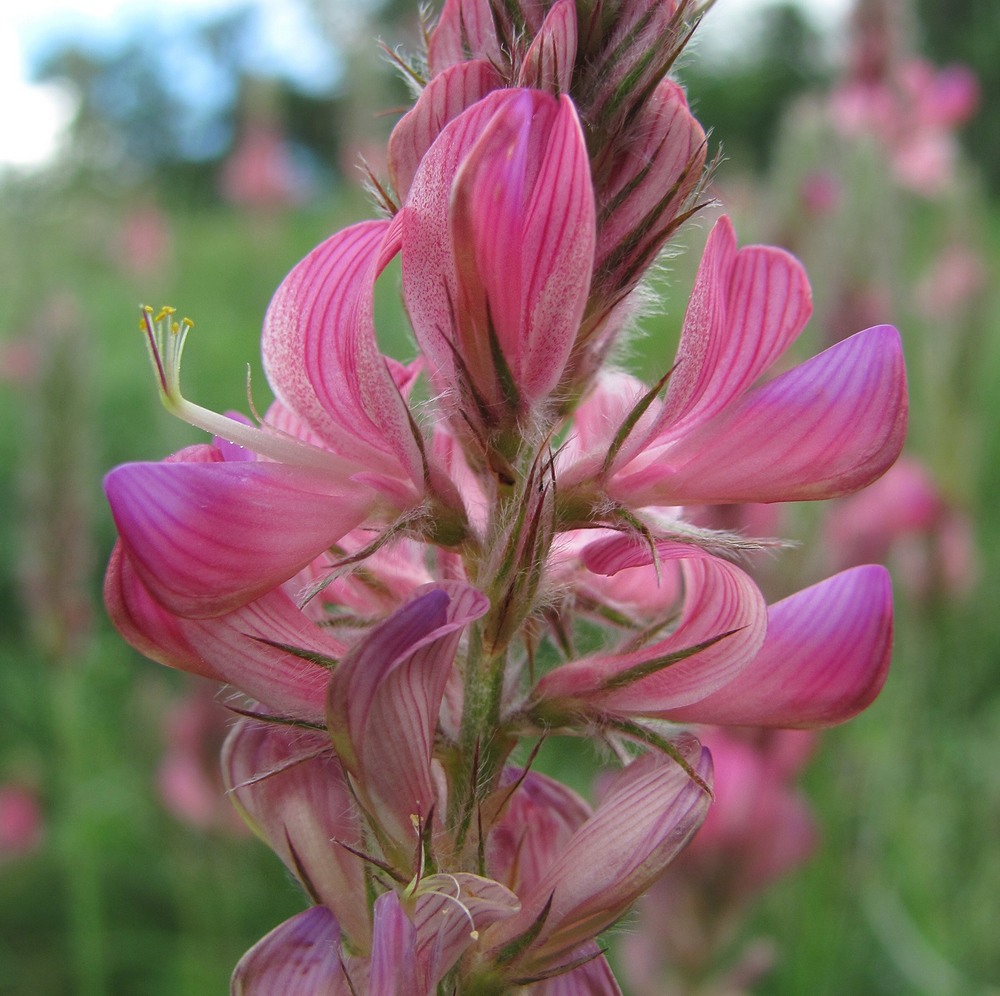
825	658
826	428
322	359
300	957
719	599
290	787
208	537
383	704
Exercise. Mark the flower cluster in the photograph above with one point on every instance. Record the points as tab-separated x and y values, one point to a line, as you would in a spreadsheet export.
413	572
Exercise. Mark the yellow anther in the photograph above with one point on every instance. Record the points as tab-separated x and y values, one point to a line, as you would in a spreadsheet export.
164	311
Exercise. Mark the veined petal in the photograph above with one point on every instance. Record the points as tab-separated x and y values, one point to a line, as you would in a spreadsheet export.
825	658
288	784
394	970
242	647
593	978
720	601
826	428
746	308
523	210
649	183
449	913
300	957
208	537
548	63
383	704
444	98
512	256
322	359
649	814
537	821
465	27
145	624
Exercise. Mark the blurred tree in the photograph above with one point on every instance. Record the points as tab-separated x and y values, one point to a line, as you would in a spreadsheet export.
164	104
744	94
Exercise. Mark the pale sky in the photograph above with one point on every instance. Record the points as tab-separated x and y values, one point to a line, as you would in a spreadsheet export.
33	118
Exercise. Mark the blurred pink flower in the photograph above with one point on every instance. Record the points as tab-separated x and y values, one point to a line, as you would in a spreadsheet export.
904	520
189	777
260	173
21	821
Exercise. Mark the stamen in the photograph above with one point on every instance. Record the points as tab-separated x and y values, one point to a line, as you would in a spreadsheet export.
165	337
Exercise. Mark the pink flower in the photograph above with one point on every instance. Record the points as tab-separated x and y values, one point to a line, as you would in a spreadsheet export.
813	659
497	254
21	821
827	427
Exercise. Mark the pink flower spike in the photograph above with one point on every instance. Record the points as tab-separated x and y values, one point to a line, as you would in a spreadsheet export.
300	957
208	537
383	703
825	658
322	360
826	428
289	786
719	599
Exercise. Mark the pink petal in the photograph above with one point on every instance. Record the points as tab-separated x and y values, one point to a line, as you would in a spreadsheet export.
519	246
465	27
300	957
593	978
523	209
719	599
825	658
145	624
208	537
746	308
384	700
448	909
826	428
650	813
444	98
651	180
291	788
231	647
539	818
394	969
548	63
322	359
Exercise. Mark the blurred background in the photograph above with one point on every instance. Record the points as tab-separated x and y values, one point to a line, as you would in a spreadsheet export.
189	153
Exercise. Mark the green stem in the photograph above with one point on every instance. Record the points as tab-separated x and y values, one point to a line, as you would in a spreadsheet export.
480	752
